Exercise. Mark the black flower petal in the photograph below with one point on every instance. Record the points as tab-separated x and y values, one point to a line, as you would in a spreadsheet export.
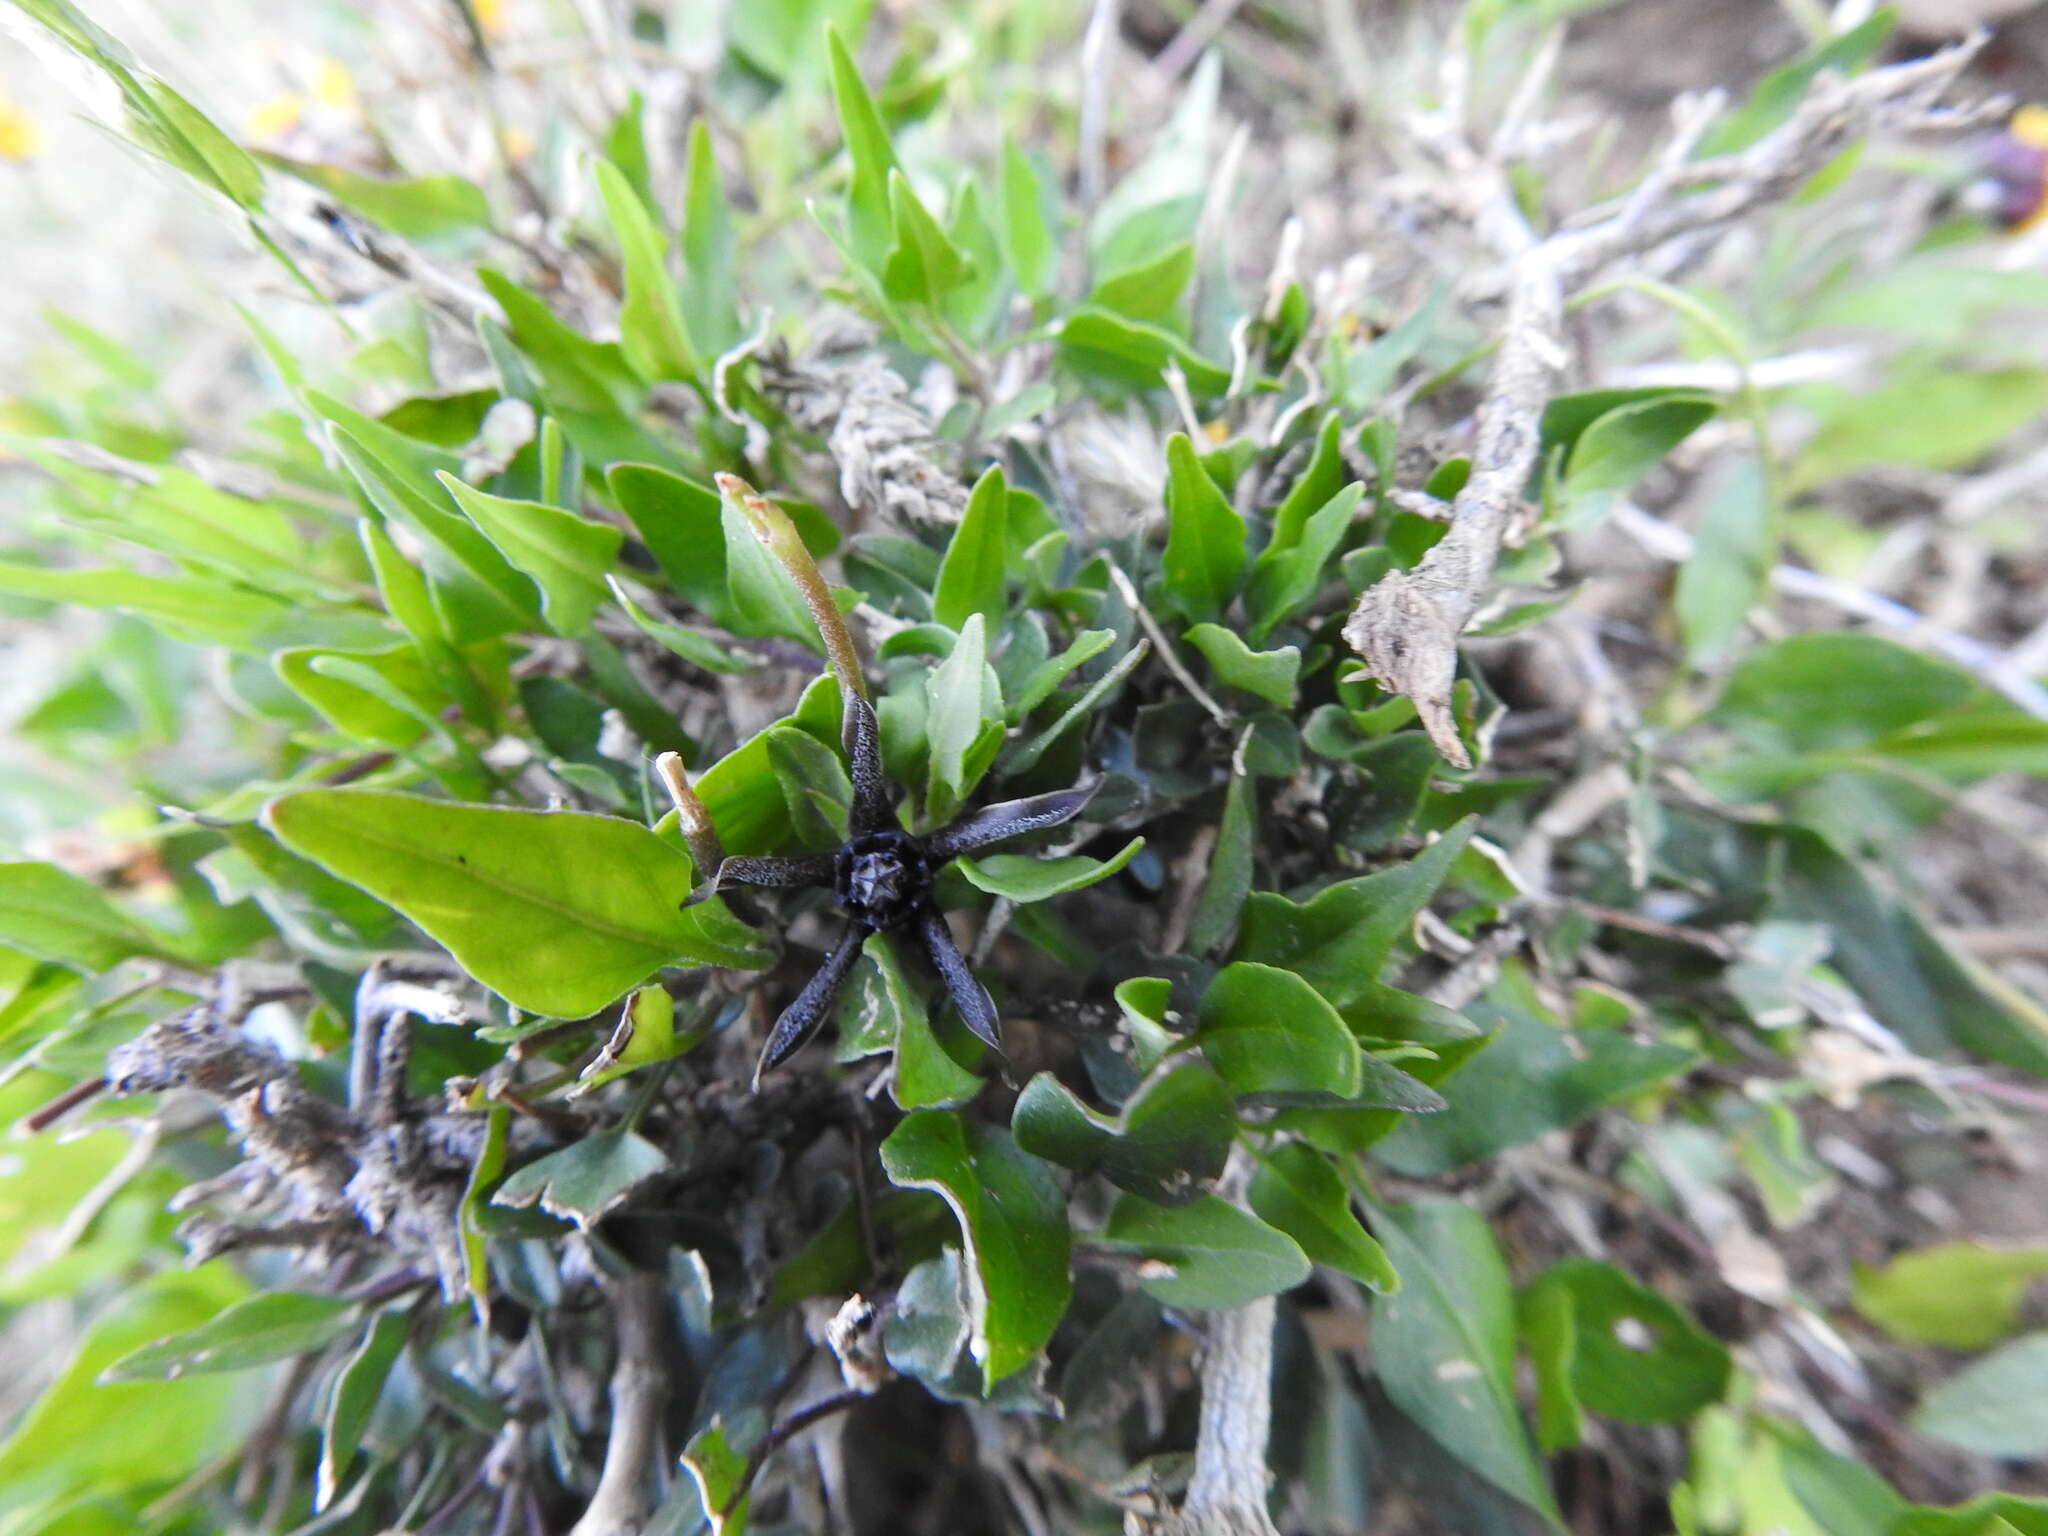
800	1020
874	801
1011	818
805	869
977	1008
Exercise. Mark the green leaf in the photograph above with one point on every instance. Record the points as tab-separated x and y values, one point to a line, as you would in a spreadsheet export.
1269	674
189	607
1933	414
1994	1406
1230	869
1150	289
1340	939
438	212
697	649
1313	489
586	1179
740	789
1730	565
476	591
1216	1255
1023	878
394	710
1275	1039
82	1434
923	265
680	523
815	786
928	1075
1536	1075
711	305
1626	1351
1284	579
1296	1190
646	1034
189	139
1897	965
1621	447
1172	1134
651	328
566	555
1013	1220
1444	1344
1960	1295
1204	537
559	912
868	220
1813	692
761	595
273	1326
971	576
1049	674
720	1470
1132	355
963	721
356	1389
1779	93
1027	232
54	915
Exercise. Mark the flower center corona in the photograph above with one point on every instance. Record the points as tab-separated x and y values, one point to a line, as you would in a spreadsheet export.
881	879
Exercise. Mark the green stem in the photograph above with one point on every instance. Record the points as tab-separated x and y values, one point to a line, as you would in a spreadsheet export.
773	528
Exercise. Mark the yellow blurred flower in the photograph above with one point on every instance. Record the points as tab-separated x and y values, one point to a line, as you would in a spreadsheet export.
490	15
334	88
273	119
20	137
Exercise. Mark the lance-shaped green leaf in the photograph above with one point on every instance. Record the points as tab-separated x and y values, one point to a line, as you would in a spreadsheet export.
355	1393
1023	878
868	222
1339	940
1171	1135
1296	1190
1026	229
1269	674
54	915
1204	556
651	319
586	1179
273	1326
923	264
679	522
1960	1295
971	576
1013	1220
927	1075
1275	1039
963	721
692	646
711	308
444	211
1618	1347
1230	868
1214	1254
1444	1344
719	1466
567	556
557	911
1282	580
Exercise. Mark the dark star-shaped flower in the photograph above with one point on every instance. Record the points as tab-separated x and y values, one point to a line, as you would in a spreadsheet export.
882	878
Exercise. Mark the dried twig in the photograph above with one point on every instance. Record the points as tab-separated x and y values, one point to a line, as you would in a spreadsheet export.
1227	1493
1406	625
623	1499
